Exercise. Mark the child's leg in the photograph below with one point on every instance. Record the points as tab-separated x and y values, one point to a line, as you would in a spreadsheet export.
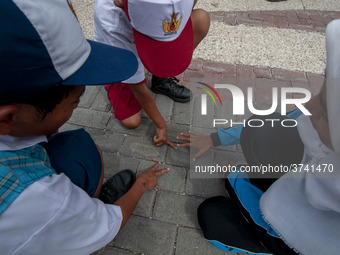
75	154
200	24
126	108
99	188
224	226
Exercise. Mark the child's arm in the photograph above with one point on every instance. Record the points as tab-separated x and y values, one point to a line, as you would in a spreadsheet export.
145	181
147	102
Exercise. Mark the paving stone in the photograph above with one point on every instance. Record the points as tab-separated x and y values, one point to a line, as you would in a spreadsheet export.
205	187
191	242
200	120
109	142
179	157
262	72
215	67
89	118
245	71
196	64
177	209
67	126
143	148
101	102
288	75
182	113
173	180
164	105
99	252
89	96
114	125
115	251
203	167
175	130
145	204
225	112
147	236
223	158
114	163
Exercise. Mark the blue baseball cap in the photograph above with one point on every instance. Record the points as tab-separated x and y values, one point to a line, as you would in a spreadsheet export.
42	45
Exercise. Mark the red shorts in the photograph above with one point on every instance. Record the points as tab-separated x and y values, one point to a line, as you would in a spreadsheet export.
123	100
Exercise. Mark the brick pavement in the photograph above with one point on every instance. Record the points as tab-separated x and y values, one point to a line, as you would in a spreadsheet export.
164	221
308	20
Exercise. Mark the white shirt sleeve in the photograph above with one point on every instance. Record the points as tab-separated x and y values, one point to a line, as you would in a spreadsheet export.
53	216
112	27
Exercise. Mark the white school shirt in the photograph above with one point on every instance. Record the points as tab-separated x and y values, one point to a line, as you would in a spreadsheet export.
304	207
54	216
112	27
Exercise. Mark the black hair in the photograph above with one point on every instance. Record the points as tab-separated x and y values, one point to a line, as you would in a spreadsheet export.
47	100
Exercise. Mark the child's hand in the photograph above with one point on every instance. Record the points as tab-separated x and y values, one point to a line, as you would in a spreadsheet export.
201	142
160	138
148	179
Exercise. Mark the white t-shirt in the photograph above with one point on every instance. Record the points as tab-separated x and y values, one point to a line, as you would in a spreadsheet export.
54	216
112	27
304	206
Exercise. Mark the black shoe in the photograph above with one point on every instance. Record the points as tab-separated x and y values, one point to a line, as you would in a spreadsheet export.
115	187
170	88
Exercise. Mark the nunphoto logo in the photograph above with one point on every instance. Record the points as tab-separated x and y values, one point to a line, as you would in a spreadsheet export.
238	99
224	107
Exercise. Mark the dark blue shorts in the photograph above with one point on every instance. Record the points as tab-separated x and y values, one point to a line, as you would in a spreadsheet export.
75	154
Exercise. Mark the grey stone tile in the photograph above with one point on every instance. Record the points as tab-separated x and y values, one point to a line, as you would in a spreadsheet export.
143	148
225	157
67	126
89	96
108	250
173	180
205	187
147	236
164	105
114	125
90	118
192	242
107	141
199	167
214	164
177	209
114	163
101	103
179	157
183	113
175	130
99	252
199	120
145	204
225	111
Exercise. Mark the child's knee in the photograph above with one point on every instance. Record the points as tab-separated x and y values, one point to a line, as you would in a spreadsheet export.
200	21
132	122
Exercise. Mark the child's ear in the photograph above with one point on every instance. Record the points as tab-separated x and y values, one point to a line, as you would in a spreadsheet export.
7	118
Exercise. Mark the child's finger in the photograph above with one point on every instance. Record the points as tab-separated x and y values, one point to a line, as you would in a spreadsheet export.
184	145
171	144
162	171
199	154
154	167
183	138
185	134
